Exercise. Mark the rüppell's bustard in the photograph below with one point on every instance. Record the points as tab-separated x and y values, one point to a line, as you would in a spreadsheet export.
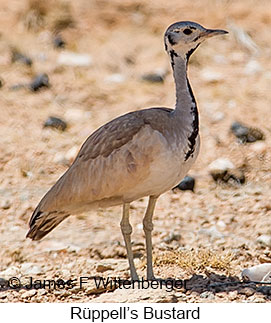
141	153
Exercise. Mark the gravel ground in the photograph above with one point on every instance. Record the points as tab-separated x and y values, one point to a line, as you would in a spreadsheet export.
207	237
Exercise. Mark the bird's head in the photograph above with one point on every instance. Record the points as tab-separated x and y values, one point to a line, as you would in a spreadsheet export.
182	38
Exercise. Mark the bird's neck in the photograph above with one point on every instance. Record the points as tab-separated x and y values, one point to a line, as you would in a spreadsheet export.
184	95
186	107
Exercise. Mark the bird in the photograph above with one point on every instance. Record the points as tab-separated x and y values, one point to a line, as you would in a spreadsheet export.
141	153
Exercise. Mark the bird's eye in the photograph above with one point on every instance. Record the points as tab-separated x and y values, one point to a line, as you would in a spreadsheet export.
187	31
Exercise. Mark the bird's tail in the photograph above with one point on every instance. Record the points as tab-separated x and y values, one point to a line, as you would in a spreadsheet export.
41	223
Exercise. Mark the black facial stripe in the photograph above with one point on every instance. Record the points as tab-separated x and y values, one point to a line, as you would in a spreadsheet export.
171	40
172	53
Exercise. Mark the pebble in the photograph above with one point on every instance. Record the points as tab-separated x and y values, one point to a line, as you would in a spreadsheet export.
265	240
153	78
232	295
252	67
211	76
19	57
207	295
257	273
74	59
5	204
10	272
76	115
30	269
1	82
71	153
187	184
54	122
222	169
58	42
246	134
115	78
173	236
102	268
211	232
41	80
248	291
219	167
29	293
258	147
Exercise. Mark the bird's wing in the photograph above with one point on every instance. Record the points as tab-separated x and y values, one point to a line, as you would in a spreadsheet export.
113	159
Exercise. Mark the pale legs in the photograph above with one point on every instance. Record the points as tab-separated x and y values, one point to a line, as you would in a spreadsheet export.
126	229
148	227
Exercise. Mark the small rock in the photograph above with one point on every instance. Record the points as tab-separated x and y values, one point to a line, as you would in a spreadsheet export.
1	82
153	78
115	78
248	291
265	240
257	273
212	233
222	169
30	269
266	290
102	268
252	67
17	87
258	147
74	59
207	295
187	184
58	42
232	295
19	57
6	204
76	115
246	134
211	76
29	293
10	272
217	116
41	80
54	122
71	153
60	159
172	237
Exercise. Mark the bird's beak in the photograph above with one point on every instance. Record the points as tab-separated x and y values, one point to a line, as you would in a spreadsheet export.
212	32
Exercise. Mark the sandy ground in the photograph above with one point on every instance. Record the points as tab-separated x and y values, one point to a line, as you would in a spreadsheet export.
214	229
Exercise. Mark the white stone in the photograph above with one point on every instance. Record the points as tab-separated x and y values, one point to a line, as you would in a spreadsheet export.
74	59
220	164
211	76
265	240
76	114
258	146
10	272
260	272
115	78
71	153
5	204
252	67
212	233
30	269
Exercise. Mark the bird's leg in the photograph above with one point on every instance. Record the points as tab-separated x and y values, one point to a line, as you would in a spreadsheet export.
126	230
148	226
